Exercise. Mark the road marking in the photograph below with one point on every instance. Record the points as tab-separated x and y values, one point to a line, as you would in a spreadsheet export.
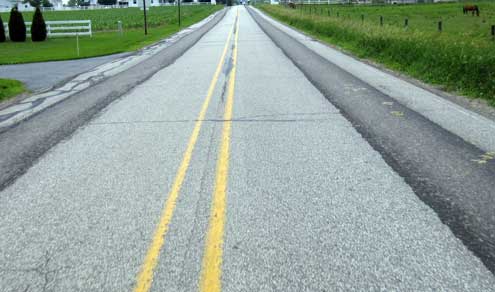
145	277
212	259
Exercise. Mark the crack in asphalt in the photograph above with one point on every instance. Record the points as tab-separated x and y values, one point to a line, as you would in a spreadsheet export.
42	269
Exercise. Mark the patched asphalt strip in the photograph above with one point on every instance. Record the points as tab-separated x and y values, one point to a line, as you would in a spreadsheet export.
23	143
449	174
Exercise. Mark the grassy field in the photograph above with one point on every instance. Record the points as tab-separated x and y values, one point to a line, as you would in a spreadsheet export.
106	40
10	88
106	19
461	58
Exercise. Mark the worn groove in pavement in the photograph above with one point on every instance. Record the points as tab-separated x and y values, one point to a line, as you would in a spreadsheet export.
439	166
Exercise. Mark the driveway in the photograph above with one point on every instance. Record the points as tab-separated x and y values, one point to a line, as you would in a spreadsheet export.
44	75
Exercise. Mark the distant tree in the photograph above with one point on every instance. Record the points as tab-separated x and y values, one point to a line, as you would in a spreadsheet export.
2	31
46	3
17	28
34	3
38	27
107	2
73	3
229	2
39	3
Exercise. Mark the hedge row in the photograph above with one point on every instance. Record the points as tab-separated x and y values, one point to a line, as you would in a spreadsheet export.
17	27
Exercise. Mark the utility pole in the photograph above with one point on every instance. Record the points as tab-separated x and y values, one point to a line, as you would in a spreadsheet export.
145	21
178	10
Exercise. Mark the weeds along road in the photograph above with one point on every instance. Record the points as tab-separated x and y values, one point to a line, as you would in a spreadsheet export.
230	170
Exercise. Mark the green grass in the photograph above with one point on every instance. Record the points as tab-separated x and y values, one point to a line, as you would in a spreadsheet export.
422	17
10	88
104	42
461	58
106	19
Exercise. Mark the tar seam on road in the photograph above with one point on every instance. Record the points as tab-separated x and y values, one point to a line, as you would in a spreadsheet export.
145	277
212	259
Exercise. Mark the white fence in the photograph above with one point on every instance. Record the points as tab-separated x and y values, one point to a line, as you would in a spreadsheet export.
130	4
61	28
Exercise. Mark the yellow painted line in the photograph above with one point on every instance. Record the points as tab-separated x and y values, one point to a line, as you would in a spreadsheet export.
145	277
212	259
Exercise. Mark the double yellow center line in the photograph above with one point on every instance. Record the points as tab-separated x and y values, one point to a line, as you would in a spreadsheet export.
212	260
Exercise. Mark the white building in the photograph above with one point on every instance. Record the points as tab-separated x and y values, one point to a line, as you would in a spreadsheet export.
5	5
57	4
24	6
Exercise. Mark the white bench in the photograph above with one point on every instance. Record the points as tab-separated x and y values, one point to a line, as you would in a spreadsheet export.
61	28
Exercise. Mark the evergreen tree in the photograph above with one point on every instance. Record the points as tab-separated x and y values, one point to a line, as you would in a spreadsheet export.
38	27
17	28
46	3
2	31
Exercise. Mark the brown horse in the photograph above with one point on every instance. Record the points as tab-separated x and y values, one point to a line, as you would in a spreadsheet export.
292	5
473	8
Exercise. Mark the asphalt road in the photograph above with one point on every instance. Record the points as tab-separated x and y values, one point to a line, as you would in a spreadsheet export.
238	167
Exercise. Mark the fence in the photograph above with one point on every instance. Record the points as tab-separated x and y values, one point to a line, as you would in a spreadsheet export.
61	28
375	2
122	5
322	10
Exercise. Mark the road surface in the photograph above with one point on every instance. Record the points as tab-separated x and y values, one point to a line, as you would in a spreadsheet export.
44	75
237	168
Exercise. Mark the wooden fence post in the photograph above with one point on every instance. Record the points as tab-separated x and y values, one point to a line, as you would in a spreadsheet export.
440	26
381	20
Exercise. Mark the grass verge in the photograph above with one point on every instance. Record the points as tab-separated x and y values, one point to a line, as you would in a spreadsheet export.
460	63
102	43
10	88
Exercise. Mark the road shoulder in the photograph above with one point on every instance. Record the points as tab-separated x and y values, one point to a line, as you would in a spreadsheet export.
67	87
26	141
456	117
445	170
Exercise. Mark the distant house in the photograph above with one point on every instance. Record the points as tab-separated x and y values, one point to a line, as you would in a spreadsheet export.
57	4
24	6
90	3
5	5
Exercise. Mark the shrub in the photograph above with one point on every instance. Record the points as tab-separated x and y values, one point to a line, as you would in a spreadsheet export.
2	31
17	28
38	27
